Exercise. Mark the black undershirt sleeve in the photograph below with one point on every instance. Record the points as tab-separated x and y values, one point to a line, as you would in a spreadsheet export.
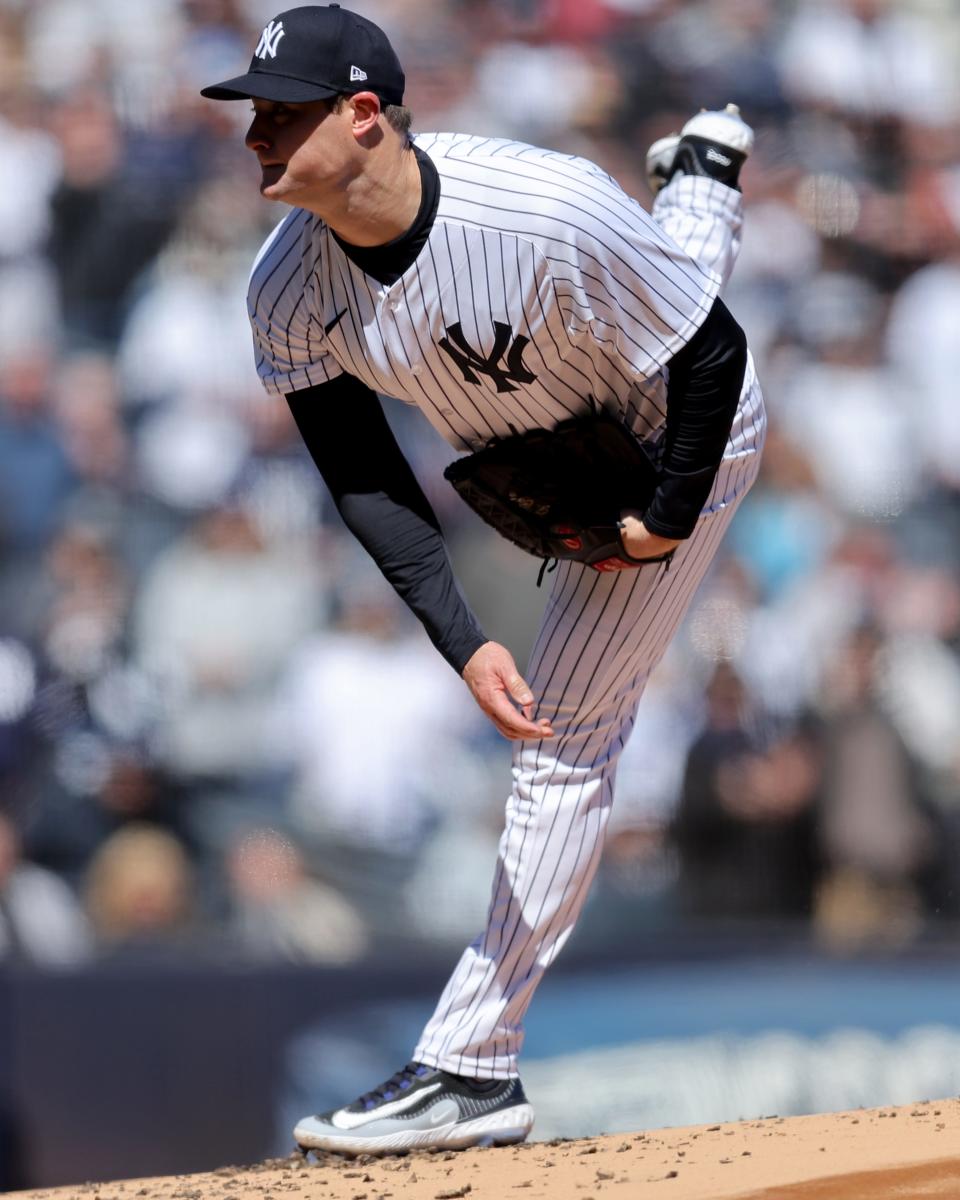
703	391
383	505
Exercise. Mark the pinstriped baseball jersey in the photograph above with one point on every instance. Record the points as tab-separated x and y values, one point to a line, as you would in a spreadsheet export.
542	283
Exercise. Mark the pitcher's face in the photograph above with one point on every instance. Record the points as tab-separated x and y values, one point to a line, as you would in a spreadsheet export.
305	151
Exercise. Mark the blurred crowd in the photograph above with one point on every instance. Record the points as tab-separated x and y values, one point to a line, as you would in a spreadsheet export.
220	733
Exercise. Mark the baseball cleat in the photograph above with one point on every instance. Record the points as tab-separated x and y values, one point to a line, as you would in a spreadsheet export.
422	1108
714	144
660	161
726	128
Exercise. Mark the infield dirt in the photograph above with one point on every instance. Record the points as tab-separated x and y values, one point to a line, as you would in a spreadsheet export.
905	1153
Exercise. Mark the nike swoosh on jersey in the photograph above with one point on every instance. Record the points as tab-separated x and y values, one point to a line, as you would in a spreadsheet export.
350	1120
336	320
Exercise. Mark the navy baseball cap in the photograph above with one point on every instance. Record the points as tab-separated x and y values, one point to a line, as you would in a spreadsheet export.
314	53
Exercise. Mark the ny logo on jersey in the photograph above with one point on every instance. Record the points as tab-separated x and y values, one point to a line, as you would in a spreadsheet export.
472	363
269	40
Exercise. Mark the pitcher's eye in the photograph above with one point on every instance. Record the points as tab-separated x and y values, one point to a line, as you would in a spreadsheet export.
274	111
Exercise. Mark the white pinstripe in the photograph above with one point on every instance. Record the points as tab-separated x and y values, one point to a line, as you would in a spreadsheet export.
605	295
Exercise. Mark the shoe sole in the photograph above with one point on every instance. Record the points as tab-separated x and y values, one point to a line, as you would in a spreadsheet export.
504	1128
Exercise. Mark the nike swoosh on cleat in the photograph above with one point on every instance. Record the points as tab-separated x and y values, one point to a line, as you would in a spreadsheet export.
349	1120
330	324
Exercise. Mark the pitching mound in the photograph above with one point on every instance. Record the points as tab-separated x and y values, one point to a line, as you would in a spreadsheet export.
904	1153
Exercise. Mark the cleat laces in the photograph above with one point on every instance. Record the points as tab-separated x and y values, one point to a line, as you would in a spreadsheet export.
399	1082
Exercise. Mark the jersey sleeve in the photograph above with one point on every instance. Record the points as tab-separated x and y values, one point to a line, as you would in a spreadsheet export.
288	335
383	505
624	276
704	218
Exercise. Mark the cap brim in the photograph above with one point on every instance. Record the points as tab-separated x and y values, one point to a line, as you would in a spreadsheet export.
265	85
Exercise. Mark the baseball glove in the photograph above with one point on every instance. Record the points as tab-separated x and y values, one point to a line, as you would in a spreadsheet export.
558	493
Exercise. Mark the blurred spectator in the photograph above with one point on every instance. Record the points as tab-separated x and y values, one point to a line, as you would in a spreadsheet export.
36	477
922	342
871	58
375	722
878	835
216	34
187	338
109	492
373	671
69	41
446	907
85	616
87	408
40	920
745	823
842	403
139	891
123	789
31	172
278	913
219	616
530	108
190	456
95	258
729	46
784	534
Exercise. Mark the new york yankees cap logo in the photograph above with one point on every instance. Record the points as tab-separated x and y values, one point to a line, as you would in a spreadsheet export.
269	40
316	52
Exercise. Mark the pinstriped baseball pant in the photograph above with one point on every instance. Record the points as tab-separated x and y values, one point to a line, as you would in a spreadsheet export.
600	639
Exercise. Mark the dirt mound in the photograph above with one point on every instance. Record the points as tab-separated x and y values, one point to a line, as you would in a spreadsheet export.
904	1153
